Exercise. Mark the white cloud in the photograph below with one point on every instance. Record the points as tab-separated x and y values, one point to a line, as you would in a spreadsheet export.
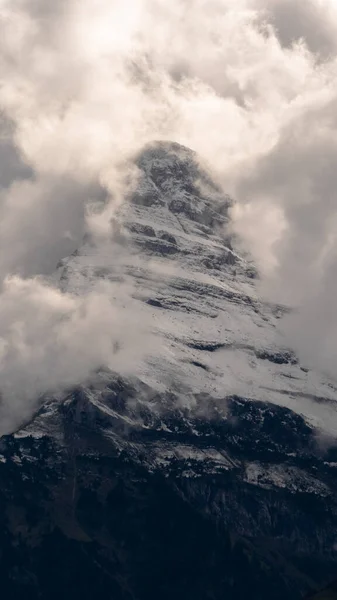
51	340
249	84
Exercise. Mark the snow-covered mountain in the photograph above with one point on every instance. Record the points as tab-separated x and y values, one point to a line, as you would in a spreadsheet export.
201	471
173	253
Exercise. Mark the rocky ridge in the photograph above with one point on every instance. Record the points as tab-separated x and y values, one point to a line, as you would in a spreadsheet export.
203	473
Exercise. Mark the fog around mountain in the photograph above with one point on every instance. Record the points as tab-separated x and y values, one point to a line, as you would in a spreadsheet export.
168	275
249	85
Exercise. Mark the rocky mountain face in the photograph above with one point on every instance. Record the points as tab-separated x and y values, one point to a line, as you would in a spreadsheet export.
204	471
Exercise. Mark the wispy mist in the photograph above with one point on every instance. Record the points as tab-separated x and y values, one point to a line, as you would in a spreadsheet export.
248	84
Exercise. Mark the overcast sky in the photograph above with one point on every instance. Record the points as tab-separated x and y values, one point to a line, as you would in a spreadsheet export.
249	84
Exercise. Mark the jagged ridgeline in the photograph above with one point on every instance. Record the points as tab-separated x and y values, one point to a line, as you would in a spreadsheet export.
200	473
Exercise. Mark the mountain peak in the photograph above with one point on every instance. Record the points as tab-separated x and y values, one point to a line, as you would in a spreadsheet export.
202	433
172	175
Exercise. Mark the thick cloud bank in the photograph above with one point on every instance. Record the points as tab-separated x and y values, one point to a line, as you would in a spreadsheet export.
249	84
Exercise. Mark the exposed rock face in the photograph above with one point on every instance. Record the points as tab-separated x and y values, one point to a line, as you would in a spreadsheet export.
202	475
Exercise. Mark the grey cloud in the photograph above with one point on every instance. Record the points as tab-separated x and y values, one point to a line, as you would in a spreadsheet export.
51	340
309	20
84	95
42	221
298	178
12	165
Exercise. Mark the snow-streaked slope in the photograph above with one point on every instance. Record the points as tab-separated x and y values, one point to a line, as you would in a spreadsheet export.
192	466
172	265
